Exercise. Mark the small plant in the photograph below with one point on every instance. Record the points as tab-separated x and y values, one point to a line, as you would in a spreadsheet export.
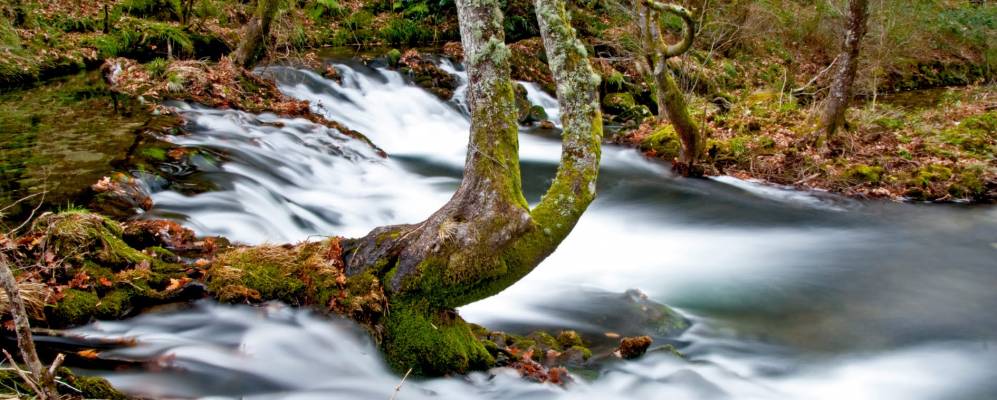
175	82
615	81
157	68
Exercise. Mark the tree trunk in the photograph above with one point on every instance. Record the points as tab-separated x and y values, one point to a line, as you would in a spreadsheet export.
841	89
255	33
486	237
671	104
43	380
671	101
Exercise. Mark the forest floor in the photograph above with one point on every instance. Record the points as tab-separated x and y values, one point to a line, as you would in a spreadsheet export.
934	144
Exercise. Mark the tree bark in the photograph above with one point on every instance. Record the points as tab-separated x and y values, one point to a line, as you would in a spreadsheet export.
44	381
255	33
486	237
841	90
671	101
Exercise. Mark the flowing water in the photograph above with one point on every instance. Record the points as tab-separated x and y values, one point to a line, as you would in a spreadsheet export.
792	295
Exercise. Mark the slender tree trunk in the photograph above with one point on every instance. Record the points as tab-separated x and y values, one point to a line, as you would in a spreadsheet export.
671	100
672	105
42	378
255	33
841	90
486	237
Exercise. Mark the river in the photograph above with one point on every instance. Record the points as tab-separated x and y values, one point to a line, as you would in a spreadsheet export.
793	295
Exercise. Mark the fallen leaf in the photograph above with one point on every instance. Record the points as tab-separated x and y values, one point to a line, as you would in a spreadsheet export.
89	354
80	281
176	284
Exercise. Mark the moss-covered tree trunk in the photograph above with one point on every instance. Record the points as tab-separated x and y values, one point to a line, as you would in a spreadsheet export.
841	89
671	101
486	237
254	34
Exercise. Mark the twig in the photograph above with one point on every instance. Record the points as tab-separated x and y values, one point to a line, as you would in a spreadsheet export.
32	216
9	206
397	388
56	364
819	74
28	381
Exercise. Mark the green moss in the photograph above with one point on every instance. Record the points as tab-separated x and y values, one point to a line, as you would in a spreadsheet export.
569	339
88	238
664	141
618	103
269	271
114	304
976	135
544	340
889	123
524	344
734	149
12	384
431	342
393	56
586	353
537	113
160	252
931	173
862	173
75	308
90	387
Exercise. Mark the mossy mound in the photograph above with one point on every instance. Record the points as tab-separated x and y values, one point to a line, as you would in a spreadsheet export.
431	342
663	142
89	271
307	274
86	238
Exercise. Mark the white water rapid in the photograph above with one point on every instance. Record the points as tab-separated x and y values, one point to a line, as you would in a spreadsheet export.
793	295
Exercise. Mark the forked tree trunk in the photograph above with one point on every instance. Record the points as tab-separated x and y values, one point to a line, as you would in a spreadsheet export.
671	101
486	237
841	89
255	33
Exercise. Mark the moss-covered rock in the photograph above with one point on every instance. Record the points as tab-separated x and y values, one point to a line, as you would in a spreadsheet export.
861	173
664	142
76	307
82	237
